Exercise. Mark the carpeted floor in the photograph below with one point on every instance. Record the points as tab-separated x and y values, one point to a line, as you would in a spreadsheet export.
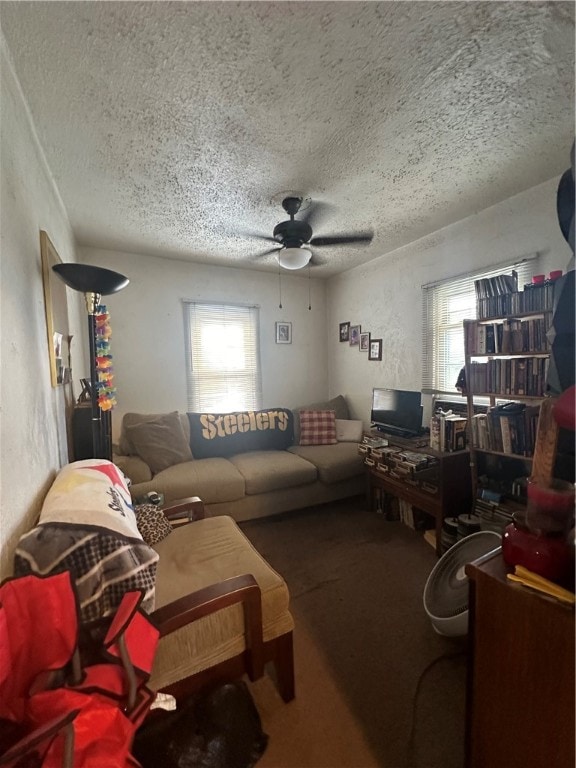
375	685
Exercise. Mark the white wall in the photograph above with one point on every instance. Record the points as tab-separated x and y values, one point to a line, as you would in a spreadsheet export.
33	442
384	297
147	323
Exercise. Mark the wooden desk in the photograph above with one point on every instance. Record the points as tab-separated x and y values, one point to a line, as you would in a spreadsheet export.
444	491
520	707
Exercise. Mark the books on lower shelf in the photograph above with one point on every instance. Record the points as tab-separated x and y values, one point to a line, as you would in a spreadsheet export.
509	428
494	513
448	432
413	518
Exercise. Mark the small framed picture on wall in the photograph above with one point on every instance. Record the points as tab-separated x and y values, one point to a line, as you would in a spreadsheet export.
375	349
355	335
364	342
345	331
283	333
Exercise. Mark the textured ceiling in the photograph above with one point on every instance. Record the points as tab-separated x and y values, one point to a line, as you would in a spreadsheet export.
172	128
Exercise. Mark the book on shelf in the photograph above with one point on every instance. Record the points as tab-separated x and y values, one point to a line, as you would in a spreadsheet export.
509	428
448	432
435	433
518	376
456	433
406	513
494	516
508	336
495	297
497	285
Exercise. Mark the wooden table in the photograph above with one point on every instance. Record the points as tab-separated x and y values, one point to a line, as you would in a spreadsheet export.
520	706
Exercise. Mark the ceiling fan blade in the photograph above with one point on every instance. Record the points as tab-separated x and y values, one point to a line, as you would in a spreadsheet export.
255	235
361	237
266	253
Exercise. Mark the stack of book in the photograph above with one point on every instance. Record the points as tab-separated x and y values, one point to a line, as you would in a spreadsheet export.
490	293
509	376
448	432
413	518
511	336
509	428
494	514
499	295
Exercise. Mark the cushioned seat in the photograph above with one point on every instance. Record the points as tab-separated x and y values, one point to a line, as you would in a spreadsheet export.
214	480
265	471
198	555
220	609
334	462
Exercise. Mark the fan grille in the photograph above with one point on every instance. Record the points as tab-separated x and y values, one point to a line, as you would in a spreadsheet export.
446	592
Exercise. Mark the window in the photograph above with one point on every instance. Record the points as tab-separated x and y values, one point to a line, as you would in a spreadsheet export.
444	306
223	357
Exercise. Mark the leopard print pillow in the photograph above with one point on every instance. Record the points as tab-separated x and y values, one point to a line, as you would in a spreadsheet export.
152	523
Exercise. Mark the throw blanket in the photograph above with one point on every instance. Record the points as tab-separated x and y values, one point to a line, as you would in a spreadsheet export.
224	434
87	526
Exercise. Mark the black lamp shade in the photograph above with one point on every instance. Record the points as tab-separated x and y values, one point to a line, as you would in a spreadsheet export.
89	279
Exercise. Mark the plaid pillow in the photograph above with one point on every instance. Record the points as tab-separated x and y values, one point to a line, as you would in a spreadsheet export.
317	427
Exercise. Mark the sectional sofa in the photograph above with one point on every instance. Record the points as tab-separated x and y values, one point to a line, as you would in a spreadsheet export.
247	464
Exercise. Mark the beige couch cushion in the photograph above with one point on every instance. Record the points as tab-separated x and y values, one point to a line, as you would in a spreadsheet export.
265	471
134	468
160	442
349	430
334	462
214	480
197	555
125	445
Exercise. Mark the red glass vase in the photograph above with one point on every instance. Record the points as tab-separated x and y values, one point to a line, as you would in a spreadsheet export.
547	554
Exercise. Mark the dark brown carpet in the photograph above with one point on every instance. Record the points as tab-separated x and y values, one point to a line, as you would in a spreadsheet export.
356	582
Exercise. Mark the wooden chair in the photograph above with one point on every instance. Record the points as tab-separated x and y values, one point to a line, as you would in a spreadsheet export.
202	596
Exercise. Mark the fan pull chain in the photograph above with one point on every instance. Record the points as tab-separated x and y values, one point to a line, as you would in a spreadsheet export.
309	299
279	285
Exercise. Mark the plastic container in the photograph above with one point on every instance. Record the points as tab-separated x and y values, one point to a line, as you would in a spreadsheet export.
555	274
538	279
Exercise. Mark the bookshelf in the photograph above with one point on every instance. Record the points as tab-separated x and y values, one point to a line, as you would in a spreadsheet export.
507	355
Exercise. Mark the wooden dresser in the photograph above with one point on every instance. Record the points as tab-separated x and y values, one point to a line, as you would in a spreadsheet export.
520	707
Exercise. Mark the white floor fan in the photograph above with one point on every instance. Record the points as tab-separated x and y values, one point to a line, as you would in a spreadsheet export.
447	587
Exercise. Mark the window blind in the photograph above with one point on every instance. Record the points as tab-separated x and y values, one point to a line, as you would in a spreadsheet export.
223	357
445	305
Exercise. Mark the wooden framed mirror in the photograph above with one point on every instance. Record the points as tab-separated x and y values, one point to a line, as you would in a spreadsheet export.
56	305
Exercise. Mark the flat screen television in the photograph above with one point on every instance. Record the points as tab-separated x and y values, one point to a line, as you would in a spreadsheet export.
397	411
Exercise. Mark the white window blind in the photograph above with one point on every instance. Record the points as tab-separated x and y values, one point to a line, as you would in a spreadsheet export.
444	307
223	357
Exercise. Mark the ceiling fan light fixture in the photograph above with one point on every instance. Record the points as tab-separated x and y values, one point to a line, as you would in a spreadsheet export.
294	258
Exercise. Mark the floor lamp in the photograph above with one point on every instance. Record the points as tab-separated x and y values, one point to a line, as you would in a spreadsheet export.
93	282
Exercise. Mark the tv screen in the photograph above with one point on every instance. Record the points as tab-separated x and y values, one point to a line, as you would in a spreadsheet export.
397	411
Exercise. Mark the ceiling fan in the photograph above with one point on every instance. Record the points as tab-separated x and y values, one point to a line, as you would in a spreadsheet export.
295	236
